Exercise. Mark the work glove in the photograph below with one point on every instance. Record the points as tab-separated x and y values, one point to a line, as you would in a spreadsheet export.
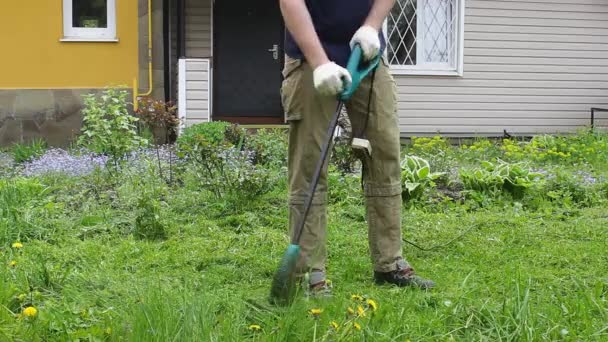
330	79
367	37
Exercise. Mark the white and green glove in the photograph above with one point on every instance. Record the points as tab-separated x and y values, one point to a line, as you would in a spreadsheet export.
330	79
368	38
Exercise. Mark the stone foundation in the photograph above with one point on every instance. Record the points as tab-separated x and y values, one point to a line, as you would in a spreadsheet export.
51	114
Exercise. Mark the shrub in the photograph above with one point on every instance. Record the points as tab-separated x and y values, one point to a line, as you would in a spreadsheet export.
158	116
218	162
27	152
108	128
213	133
269	147
416	177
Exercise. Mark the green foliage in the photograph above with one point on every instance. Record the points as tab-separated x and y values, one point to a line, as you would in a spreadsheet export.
219	164
27	152
492	178
343	157
148	223
211	133
20	198
269	147
416	177
143	260
108	128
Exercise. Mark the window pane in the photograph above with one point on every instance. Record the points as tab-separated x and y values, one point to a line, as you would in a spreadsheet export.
438	18
90	13
402	26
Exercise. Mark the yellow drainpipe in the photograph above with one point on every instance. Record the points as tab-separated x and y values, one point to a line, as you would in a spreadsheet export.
136	94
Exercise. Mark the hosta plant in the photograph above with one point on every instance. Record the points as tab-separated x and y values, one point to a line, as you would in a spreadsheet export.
416	176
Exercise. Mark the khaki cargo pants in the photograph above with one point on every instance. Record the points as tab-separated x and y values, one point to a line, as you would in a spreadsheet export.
308	115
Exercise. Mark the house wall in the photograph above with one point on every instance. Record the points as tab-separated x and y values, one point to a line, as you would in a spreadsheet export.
196	70
529	67
43	79
37	59
198	28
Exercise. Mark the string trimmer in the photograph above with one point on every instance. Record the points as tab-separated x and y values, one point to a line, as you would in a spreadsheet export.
284	281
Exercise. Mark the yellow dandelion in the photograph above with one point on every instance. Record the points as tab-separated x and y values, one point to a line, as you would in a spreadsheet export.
13	263
357	326
335	325
360	311
30	312
255	327
356	297
315	312
372	304
17	245
350	311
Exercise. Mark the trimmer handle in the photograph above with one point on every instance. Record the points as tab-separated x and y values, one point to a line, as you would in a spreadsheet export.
358	70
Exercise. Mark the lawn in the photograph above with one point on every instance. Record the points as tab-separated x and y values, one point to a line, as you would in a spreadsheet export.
180	243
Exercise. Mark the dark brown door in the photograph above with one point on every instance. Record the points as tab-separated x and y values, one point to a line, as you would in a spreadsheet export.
248	50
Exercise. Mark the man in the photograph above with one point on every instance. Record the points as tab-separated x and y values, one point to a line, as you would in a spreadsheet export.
319	38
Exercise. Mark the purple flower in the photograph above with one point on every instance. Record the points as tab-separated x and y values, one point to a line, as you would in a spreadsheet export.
60	161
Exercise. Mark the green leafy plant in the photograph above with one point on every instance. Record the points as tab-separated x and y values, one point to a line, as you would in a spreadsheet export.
416	176
27	152
108	128
148	224
492	178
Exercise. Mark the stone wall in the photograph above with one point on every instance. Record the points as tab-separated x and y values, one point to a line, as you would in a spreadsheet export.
51	114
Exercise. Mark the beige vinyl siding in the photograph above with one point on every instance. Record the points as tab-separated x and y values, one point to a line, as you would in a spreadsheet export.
529	67
197	91
198	28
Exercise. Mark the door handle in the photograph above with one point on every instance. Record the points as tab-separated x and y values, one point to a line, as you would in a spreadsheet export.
275	51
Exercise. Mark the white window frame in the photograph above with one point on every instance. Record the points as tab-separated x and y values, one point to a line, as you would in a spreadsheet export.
71	33
435	69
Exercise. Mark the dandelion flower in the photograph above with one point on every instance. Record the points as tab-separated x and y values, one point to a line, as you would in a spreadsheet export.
13	263
255	327
357	326
315	312
17	245
334	325
356	297
372	304
30	312
350	311
360	311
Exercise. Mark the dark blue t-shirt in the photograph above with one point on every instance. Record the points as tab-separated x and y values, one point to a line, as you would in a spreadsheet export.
335	21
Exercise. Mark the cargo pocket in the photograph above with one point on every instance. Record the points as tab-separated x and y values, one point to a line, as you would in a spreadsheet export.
291	76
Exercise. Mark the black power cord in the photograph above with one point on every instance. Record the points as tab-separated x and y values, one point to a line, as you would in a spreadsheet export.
428	249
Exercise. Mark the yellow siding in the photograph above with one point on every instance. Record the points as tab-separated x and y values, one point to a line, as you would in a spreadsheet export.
33	57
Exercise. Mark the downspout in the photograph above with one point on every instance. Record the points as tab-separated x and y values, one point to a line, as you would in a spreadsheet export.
136	94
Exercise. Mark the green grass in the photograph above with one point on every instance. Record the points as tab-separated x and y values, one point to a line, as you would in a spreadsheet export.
525	271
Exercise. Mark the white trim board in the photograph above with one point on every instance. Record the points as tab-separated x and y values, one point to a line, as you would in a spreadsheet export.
189	78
